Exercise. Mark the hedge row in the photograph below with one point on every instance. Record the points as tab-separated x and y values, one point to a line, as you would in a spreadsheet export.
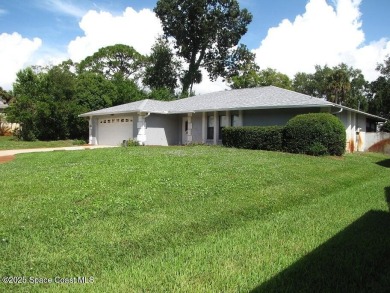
312	134
269	138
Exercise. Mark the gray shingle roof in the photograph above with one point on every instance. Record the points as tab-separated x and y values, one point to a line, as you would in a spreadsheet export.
252	98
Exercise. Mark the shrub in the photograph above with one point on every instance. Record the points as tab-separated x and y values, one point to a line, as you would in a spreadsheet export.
78	142
386	126
315	134
130	143
254	137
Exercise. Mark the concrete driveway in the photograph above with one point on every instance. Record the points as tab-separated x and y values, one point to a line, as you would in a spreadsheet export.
6	153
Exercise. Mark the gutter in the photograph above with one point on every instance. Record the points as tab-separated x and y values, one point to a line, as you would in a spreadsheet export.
338	112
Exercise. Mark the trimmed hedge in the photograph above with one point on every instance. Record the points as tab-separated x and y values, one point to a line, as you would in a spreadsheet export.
315	134
269	138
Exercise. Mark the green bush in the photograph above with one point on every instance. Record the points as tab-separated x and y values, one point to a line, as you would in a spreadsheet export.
386	126
315	134
267	138
130	143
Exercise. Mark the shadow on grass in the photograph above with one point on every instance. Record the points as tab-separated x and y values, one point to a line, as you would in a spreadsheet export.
355	260
387	195
384	163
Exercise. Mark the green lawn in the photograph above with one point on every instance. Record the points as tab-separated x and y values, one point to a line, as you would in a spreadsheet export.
196	219
9	143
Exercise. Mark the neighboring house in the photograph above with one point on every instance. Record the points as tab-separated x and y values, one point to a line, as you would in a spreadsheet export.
2	106
10	127
200	119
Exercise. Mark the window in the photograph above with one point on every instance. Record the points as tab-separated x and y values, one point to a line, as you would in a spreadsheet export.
222	123
210	127
235	120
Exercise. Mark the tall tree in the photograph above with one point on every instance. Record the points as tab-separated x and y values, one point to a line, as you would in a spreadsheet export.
162	69
115	60
204	31
338	86
341	84
379	102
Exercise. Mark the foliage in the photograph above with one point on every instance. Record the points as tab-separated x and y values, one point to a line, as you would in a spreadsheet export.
130	143
386	126
44	105
204	31
162	69
341	85
162	94
126	91
5	96
258	78
379	101
253	137
194	219
315	134
115	60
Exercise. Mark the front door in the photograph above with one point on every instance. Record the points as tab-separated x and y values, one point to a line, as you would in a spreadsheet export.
184	136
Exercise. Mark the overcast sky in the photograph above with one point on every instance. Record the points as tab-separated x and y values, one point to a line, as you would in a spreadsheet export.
289	36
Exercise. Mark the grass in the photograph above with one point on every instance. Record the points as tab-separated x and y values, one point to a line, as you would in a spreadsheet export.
10	143
195	219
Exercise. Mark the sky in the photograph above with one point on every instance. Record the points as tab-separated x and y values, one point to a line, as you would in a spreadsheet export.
287	35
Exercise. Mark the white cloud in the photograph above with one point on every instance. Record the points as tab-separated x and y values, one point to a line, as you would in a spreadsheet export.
101	29
15	52
323	35
208	86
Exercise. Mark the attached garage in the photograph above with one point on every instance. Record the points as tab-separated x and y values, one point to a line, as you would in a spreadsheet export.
114	130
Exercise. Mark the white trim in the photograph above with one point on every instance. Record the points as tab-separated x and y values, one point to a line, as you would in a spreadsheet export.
216	125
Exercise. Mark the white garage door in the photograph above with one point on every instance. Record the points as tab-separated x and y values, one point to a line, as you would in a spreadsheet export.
114	130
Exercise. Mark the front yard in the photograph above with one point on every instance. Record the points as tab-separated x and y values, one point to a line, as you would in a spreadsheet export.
195	219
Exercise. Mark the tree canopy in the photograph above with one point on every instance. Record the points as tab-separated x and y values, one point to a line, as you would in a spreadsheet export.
115	60
162	68
204	31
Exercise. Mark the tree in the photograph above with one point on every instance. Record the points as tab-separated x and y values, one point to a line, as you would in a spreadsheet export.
304	83
338	86
341	84
115	60
242	70
379	101
203	32
162	69
5	96
264	77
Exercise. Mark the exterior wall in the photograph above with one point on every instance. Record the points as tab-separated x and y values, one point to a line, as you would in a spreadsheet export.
162	129
372	138
355	127
273	116
197	127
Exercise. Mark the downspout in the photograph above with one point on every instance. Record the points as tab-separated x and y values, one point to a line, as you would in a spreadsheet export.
338	112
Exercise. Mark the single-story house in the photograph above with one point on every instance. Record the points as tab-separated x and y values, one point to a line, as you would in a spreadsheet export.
200	119
3	106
